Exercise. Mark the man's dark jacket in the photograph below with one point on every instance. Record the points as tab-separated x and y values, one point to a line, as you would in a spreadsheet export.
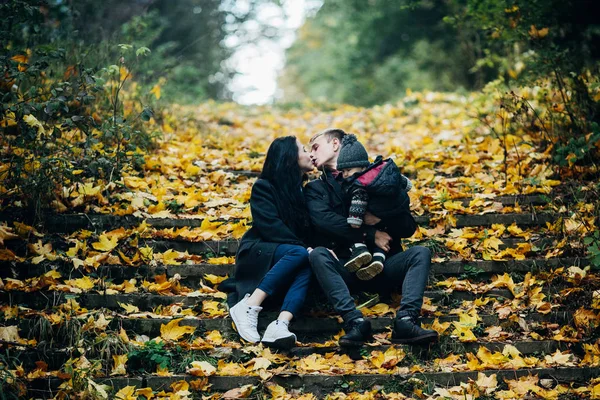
328	209
257	247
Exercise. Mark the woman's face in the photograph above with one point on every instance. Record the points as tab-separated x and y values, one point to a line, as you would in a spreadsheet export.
304	160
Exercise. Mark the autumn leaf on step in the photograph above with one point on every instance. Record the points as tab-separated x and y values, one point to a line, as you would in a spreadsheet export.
201	368
439	327
209	229
146	392
239	393
585	318
492	243
119	365
82	284
230	369
9	333
221	260
259	363
173	332
6	234
214	279
447	364
491	360
213	309
105	243
163	371
560	359
378	309
214	337
277	392
486	383
127	393
129	308
463	333
170	257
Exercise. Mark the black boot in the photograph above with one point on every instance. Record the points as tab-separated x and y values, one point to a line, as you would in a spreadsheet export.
358	331
407	330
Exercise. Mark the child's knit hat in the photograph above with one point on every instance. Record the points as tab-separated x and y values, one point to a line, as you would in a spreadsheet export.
352	154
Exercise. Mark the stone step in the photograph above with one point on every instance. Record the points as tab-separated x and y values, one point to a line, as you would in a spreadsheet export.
321	385
229	247
309	327
146	302
56	357
195	272
66	223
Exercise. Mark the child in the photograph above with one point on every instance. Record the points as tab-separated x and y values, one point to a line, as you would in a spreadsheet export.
376	187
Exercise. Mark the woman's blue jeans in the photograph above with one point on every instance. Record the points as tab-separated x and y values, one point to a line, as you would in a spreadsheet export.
291	270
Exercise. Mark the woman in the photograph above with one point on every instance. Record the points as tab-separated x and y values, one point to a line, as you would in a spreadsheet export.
272	255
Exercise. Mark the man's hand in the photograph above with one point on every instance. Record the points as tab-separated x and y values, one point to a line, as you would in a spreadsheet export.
382	240
333	254
371	219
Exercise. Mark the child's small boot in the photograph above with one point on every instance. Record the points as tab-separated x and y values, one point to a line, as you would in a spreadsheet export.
360	256
373	269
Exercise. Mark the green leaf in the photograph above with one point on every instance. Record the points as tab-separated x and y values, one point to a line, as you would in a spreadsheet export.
146	114
142	51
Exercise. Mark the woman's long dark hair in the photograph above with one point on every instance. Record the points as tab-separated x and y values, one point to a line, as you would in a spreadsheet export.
281	169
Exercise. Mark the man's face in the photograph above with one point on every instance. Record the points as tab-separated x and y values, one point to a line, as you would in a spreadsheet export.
323	152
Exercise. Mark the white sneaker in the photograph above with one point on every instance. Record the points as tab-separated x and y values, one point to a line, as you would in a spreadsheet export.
278	335
245	318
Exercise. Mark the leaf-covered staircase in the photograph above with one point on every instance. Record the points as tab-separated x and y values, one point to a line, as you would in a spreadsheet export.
121	300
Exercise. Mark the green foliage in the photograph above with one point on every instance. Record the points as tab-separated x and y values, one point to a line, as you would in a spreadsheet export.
593	248
362	53
54	111
365	53
147	358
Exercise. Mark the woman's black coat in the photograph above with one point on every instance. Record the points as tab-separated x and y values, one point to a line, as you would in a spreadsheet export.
255	253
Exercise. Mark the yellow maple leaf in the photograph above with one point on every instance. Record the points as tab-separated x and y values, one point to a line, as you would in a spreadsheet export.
492	243
201	368
260	363
221	260
129	308
170	257
215	338
105	243
239	393
163	371
213	308
9	333
146	392
172	331
230	368
464	333
487	383
127	393
6	234
214	279
85	283
119	365
277	392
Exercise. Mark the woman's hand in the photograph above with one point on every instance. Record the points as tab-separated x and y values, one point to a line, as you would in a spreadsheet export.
309	249
371	219
382	240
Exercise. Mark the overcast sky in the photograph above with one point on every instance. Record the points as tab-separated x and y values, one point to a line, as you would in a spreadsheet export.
259	63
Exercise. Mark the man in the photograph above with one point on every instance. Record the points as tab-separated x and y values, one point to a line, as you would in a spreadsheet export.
406	269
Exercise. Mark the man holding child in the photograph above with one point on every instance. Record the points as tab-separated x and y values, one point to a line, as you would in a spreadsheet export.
346	241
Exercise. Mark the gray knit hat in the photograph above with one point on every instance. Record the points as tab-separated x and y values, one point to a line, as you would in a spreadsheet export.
352	154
